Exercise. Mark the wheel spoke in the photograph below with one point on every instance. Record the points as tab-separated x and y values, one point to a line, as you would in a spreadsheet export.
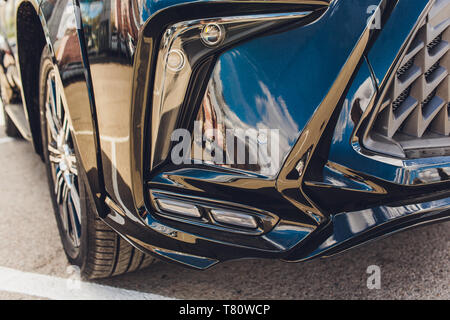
59	185
53	101
51	125
66	191
63	209
64	133
76	202
53	150
68	180
59	110
74	221
54	155
73	169
54	159
51	95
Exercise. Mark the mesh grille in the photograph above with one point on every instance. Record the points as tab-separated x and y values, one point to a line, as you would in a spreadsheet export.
403	69
416	106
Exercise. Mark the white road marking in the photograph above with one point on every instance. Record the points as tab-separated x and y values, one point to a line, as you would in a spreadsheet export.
50	287
5	139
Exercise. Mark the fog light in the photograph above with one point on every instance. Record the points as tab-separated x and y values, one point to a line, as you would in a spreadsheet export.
212	34
178	207
175	60
234	218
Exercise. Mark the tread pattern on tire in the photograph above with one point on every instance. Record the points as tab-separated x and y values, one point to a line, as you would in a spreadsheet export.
109	254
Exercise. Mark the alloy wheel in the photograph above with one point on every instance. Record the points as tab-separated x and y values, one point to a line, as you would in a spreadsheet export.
63	162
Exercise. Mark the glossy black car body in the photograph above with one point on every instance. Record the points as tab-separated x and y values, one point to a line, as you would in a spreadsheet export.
327	66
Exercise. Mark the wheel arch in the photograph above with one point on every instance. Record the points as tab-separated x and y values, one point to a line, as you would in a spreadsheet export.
30	43
33	34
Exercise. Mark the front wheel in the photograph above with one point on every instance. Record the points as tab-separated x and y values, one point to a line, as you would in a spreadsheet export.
88	242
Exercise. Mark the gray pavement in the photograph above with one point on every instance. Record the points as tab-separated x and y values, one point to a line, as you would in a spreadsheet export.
414	264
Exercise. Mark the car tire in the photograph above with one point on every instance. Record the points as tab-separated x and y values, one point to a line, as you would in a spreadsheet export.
88	242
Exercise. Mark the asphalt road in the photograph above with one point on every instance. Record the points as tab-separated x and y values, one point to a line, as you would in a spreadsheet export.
414	264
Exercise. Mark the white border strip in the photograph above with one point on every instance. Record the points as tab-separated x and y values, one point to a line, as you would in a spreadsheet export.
65	289
5	139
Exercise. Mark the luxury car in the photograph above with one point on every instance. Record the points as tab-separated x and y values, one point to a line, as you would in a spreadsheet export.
199	132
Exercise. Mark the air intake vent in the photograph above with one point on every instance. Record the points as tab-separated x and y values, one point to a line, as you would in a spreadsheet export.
414	114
